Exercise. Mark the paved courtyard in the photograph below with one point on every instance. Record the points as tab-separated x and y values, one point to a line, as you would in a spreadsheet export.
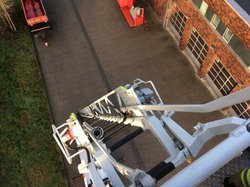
92	50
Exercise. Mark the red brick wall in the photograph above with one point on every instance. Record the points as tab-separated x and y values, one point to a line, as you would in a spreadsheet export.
232	20
159	7
219	47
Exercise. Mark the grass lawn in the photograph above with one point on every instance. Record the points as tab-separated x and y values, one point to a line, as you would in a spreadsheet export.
28	152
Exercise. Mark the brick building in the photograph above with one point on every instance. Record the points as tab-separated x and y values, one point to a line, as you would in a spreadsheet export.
215	34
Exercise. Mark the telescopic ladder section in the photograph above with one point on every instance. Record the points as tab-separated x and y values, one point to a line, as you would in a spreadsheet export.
100	128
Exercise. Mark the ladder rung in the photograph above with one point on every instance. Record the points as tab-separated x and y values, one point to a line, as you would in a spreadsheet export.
111	126
106	124
115	132
95	123
125	139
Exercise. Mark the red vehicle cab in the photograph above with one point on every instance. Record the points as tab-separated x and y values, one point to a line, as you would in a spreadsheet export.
36	17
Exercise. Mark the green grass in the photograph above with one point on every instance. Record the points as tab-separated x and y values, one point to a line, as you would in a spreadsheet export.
28	152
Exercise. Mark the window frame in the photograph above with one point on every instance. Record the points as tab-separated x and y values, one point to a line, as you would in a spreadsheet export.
226	31
202	6
178	21
216	74
241	111
213	18
197	5
198	53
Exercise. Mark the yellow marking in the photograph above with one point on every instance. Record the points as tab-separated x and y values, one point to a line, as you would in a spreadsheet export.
123	88
72	116
189	160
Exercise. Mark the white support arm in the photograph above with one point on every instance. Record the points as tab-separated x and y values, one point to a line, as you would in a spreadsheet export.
155	126
203	133
212	129
220	103
214	159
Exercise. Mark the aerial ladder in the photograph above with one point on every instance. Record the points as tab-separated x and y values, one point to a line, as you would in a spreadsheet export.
86	133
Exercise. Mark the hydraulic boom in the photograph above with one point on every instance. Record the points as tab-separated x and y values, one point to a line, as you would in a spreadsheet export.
86	133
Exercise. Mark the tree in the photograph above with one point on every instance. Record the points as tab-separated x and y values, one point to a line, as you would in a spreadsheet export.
5	9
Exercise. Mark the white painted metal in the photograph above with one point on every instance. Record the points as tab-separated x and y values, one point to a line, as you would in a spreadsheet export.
223	102
129	99
109	169
156	127
95	176
203	133
217	157
178	131
57	137
121	168
137	82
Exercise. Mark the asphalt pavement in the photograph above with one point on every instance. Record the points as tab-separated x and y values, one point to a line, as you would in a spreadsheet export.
92	50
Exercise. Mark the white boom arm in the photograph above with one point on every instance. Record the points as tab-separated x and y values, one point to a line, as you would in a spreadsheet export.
226	101
139	106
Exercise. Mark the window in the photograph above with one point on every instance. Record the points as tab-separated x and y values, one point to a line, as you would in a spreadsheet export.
242	109
197	3
222	78
221	28
240	50
178	20
227	35
209	14
215	20
226	83
203	8
197	46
